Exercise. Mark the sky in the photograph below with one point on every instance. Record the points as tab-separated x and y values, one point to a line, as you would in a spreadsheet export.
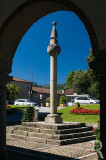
32	62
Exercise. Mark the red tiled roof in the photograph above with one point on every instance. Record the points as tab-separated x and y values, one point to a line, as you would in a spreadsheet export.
42	90
20	80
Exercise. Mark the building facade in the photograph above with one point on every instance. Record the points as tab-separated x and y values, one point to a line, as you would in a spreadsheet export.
35	94
39	95
26	87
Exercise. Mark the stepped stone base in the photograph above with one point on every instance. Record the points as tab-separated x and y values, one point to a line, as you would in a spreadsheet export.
56	134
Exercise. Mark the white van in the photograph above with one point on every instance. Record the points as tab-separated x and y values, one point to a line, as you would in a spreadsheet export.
86	100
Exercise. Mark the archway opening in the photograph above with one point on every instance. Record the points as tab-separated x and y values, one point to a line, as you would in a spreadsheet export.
31	56
13	32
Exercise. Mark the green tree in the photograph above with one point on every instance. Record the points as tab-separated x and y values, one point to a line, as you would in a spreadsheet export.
81	83
48	99
94	90
84	82
28	114
70	80
34	84
91	57
12	92
62	100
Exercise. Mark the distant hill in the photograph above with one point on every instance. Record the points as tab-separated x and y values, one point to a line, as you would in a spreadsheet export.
59	86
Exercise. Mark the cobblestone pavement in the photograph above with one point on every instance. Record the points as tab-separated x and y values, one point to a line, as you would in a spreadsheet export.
69	151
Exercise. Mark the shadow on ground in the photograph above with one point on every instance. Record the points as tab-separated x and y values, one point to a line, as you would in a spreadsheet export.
15	118
16	153
42	116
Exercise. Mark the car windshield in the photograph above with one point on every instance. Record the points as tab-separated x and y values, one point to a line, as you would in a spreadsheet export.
27	100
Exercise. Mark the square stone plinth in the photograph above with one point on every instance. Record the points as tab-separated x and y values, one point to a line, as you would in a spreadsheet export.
53	120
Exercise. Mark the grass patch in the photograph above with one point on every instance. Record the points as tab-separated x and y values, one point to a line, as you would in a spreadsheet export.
67	116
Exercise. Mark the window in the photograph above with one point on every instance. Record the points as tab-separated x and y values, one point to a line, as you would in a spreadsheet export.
86	98
80	98
18	100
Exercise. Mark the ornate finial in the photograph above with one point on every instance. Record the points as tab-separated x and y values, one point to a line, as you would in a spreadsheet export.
54	23
54	48
54	33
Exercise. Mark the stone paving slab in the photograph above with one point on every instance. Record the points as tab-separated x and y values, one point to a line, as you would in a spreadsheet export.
72	151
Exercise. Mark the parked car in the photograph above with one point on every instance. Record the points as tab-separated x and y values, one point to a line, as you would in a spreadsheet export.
24	102
86	100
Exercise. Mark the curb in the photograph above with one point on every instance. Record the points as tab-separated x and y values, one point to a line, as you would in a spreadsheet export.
87	156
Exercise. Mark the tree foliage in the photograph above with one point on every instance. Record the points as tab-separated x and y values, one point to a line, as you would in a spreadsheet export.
91	57
34	84
48	99
84	82
62	99
28	114
12	92
70	80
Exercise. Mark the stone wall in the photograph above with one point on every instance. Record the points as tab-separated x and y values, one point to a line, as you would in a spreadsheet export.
25	89
36	98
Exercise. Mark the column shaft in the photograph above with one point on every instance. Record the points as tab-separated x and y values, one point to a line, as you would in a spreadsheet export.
53	84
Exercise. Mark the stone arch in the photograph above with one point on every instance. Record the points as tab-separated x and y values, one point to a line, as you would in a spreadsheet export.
24	16
17	17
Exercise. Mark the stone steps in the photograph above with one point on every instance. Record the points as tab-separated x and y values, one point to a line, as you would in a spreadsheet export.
52	141
70	141
56	134
51	136
50	131
53	126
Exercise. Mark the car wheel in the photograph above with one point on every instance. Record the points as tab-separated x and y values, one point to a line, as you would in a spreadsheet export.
91	103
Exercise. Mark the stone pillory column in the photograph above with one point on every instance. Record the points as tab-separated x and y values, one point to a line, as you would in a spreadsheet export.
53	50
